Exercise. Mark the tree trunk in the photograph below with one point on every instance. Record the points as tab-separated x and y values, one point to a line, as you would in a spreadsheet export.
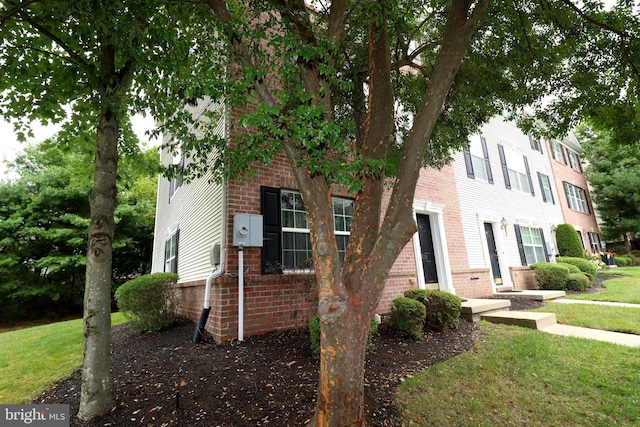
96	398
341	384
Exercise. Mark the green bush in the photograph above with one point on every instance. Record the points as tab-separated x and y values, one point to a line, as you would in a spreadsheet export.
550	275
148	302
572	268
584	265
407	316
621	261
631	259
577	282
314	334
443	308
568	241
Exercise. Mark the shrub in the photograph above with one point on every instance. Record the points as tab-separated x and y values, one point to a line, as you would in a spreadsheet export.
443	308
568	241
550	275
148	302
621	261
314	334
577	282
572	268
585	266
631	259
407	316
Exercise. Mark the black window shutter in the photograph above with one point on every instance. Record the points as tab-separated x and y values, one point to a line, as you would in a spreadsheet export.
566	193
468	163
544	196
564	155
586	200
526	167
271	218
544	245
485	152
523	257
505	172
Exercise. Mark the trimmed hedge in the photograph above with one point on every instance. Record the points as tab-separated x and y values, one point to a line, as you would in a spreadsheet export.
407	316
551	276
572	268
584	265
625	260
148	302
568	241
443	308
314	334
577	282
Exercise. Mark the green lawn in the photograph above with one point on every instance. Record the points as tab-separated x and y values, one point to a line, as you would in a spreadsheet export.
616	319
623	289
32	359
521	377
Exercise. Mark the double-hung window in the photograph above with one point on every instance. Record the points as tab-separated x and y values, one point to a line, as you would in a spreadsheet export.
171	253
576	197
545	187
535	144
476	159
287	244
557	152
178	163
515	169
531	245
574	161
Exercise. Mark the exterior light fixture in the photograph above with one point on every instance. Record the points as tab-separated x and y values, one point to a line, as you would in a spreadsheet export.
503	225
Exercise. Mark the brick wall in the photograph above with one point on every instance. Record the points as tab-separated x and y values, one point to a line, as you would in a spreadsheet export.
523	278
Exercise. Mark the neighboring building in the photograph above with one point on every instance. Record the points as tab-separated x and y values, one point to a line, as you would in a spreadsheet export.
573	190
508	202
480	223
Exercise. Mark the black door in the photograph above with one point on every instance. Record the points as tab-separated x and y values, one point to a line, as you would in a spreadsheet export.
426	249
493	253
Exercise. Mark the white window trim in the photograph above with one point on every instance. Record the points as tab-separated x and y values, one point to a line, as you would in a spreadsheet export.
443	265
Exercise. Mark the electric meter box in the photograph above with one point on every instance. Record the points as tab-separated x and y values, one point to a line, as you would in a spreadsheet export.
247	230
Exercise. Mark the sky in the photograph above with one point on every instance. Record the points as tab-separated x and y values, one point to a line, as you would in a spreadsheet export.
10	147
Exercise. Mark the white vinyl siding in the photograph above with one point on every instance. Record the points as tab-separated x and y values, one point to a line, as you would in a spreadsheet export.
197	211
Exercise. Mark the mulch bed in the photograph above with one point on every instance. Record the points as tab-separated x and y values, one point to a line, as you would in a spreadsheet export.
165	379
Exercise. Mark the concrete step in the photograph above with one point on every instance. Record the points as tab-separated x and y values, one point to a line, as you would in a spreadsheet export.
619	338
526	319
473	308
536	294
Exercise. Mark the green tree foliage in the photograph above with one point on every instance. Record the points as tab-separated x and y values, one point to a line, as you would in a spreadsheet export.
44	214
568	241
614	174
105	60
363	95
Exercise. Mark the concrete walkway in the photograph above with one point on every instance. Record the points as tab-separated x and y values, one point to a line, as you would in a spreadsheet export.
579	301
546	322
630	340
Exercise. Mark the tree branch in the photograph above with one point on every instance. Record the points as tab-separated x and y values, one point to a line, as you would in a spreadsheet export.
73	55
17	9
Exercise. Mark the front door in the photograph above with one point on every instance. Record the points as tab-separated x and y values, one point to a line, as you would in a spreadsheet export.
426	249
493	253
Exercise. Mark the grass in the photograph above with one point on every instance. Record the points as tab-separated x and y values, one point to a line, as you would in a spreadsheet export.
616	319
517	376
623	289
32	359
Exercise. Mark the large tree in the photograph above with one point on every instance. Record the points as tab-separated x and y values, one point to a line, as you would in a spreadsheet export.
103	59
614	173
363	95
44	214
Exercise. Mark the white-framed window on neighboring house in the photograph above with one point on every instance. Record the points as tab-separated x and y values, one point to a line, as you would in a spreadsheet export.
557	151
545	188
535	144
515	170
286	231
176	182
574	161
171	253
476	160
576	197
594	241
531	244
